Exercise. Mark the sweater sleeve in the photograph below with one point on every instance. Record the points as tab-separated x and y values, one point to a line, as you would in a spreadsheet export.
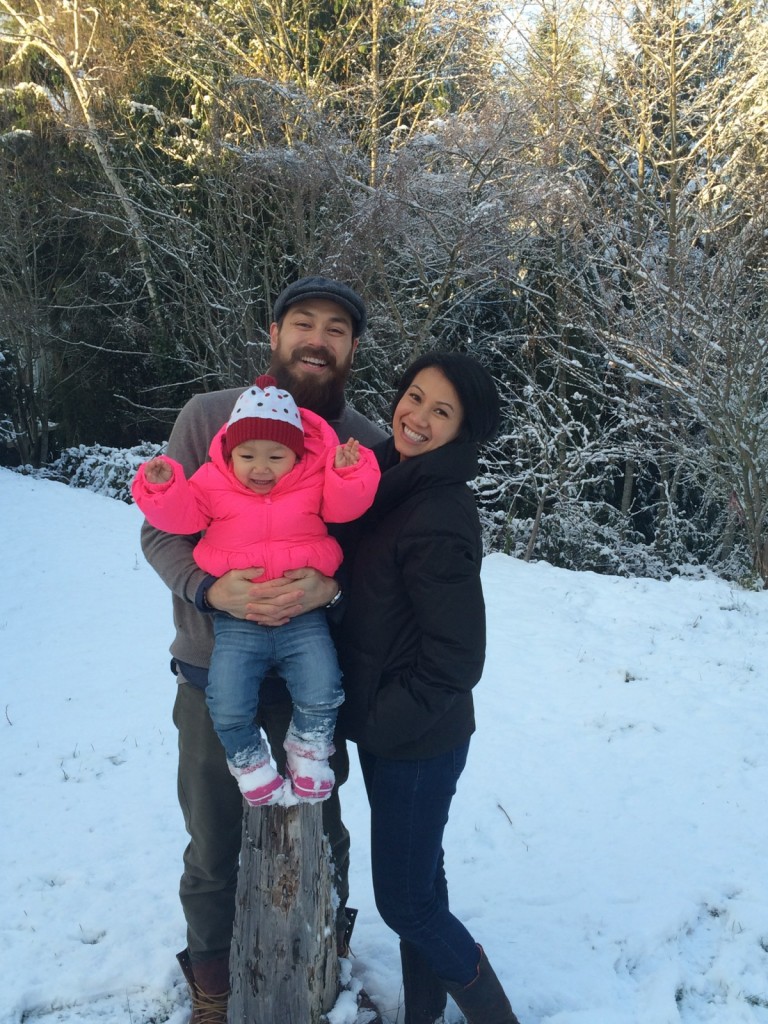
348	492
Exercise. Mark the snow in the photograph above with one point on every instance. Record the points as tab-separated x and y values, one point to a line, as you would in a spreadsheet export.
608	844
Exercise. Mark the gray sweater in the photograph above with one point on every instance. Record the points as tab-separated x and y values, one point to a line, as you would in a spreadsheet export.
170	555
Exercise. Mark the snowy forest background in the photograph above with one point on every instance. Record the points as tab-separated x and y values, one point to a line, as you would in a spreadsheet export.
573	190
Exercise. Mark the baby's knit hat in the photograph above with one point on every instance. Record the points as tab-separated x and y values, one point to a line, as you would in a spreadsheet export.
265	412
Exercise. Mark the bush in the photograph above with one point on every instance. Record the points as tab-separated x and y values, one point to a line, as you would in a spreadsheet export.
592	537
107	471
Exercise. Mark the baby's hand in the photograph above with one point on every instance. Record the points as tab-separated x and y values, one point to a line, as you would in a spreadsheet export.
347	454
158	471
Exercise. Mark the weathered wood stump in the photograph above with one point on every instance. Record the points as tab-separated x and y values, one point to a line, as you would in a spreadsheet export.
284	966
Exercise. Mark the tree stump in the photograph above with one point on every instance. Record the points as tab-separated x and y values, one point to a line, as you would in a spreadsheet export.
283	966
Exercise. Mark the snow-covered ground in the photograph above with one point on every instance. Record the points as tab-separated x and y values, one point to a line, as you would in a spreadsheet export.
608	844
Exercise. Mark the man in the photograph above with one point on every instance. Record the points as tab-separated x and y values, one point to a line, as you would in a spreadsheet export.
317	329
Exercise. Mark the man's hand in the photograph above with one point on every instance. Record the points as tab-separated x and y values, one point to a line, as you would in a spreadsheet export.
274	602
231	592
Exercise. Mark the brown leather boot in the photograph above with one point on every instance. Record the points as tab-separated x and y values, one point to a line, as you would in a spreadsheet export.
209	986
483	1001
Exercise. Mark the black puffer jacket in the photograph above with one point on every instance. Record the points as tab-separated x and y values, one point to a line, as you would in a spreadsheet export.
412	641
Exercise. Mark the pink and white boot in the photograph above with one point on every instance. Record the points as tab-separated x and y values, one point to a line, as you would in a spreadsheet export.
310	775
259	783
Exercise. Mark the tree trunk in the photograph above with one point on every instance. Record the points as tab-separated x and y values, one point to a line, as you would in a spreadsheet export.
283	966
531	545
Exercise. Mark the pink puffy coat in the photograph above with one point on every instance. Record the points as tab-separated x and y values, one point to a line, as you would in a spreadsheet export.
282	530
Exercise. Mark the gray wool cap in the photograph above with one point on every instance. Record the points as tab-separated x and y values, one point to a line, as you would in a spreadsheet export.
323	288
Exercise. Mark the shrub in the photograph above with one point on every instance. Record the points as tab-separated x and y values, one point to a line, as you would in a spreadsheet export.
107	471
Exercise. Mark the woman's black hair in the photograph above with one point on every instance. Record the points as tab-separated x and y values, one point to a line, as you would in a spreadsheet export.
474	385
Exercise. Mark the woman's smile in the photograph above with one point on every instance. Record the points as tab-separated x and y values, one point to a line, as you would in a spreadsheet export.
412	435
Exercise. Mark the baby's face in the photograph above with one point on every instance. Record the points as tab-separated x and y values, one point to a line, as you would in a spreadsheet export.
258	465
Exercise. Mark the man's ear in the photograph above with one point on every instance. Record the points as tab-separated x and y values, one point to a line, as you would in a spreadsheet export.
274	331
355	343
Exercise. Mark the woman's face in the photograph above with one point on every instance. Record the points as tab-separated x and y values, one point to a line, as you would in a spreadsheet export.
428	415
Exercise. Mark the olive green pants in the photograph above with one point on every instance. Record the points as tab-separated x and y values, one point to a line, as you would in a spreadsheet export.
213	812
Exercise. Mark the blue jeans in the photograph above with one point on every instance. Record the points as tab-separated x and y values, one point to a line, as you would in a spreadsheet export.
409	802
301	651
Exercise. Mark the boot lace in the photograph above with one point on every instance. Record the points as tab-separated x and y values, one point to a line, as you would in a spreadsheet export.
209	1009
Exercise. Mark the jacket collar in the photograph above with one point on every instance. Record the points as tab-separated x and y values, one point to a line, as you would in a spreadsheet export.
454	463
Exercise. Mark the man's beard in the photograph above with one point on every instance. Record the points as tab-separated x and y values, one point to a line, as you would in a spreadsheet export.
323	396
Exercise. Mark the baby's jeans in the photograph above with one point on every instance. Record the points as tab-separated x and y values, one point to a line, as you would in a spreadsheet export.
301	651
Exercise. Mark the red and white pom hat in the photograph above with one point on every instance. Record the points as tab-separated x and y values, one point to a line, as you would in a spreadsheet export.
265	412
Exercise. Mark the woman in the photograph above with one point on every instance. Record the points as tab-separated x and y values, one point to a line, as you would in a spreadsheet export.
412	647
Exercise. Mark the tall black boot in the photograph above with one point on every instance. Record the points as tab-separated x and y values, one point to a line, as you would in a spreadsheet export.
483	1001
425	994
